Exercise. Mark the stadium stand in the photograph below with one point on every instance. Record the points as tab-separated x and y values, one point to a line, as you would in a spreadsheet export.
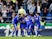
10	6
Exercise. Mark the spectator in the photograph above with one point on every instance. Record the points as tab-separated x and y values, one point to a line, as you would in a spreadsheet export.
20	3
31	8
43	1
45	4
45	7
1	5
25	4
9	11
4	10
49	1
9	2
13	15
29	2
0	13
42	23
50	8
13	6
1	20
14	1
16	4
21	11
45	12
38	7
4	2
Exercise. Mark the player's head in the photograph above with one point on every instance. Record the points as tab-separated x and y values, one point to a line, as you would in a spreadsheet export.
19	15
31	14
22	15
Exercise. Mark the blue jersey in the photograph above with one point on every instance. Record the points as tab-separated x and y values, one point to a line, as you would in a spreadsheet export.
31	19
22	23
28	20
37	21
15	20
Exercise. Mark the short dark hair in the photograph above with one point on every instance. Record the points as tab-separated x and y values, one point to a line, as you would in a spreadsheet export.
38	13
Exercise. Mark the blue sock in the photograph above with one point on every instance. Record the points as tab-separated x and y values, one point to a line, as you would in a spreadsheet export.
29	32
38	32
13	33
16	32
22	33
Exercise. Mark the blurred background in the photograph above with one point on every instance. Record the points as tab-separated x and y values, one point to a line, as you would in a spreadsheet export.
9	9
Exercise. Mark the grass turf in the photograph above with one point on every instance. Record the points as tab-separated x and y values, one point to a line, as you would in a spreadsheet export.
42	37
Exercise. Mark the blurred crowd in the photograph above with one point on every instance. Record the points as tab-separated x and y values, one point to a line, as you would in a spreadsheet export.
44	7
9	8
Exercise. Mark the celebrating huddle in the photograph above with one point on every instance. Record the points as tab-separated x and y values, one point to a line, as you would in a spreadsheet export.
29	25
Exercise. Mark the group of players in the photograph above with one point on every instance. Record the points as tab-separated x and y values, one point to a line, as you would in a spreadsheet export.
29	25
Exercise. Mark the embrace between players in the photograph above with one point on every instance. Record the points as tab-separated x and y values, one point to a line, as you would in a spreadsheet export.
29	25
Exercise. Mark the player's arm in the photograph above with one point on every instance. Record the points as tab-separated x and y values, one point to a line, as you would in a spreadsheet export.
12	22
40	18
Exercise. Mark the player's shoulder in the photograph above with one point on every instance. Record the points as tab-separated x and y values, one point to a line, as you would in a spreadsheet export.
16	16
39	16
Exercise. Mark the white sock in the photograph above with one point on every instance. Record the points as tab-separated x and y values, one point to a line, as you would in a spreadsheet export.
19	32
36	33
6	32
35	29
24	32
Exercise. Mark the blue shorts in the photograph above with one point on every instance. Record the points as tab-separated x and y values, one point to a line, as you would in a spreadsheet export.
42	27
38	24
29	26
15	25
32	26
23	26
39	27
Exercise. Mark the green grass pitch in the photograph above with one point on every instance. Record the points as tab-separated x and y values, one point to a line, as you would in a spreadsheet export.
42	37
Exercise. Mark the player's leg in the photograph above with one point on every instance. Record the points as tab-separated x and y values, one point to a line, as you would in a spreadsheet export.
32	29
21	27
29	30
25	30
36	29
39	30
19	30
22	31
14	30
